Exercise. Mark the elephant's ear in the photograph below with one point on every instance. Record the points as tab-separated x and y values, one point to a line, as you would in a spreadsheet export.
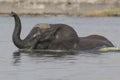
49	34
55	30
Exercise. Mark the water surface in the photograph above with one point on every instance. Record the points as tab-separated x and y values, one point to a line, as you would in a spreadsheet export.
104	66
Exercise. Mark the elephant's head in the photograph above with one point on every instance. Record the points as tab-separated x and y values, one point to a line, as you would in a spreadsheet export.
30	40
37	38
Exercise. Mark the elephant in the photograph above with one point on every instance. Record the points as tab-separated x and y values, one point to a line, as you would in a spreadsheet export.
46	36
56	37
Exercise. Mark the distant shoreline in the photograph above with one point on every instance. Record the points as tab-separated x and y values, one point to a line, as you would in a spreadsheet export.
61	8
105	13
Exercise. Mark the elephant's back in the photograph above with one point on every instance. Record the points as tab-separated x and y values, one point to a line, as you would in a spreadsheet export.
101	39
94	41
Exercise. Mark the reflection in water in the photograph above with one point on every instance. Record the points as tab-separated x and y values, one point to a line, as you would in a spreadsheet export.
43	53
48	54
16	57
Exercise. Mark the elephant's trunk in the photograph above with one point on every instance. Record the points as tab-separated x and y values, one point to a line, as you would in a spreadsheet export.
16	34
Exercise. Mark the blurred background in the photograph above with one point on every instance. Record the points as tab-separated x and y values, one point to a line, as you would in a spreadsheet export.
62	7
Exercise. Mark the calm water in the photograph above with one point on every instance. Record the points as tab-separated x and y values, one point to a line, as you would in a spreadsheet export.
104	66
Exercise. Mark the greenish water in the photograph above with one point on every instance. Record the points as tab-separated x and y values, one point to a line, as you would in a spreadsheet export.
85	66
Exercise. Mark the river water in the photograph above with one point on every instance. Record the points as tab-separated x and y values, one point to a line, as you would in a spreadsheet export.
85	66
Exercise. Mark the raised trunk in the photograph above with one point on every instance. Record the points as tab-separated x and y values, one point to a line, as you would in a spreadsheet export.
16	34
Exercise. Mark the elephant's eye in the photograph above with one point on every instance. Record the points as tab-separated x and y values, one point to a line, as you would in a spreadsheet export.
75	45
57	36
36	34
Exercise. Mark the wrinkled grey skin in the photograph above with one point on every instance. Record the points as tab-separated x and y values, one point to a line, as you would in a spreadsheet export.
59	37
65	38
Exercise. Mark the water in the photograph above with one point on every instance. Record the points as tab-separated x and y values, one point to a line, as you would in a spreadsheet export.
104	66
